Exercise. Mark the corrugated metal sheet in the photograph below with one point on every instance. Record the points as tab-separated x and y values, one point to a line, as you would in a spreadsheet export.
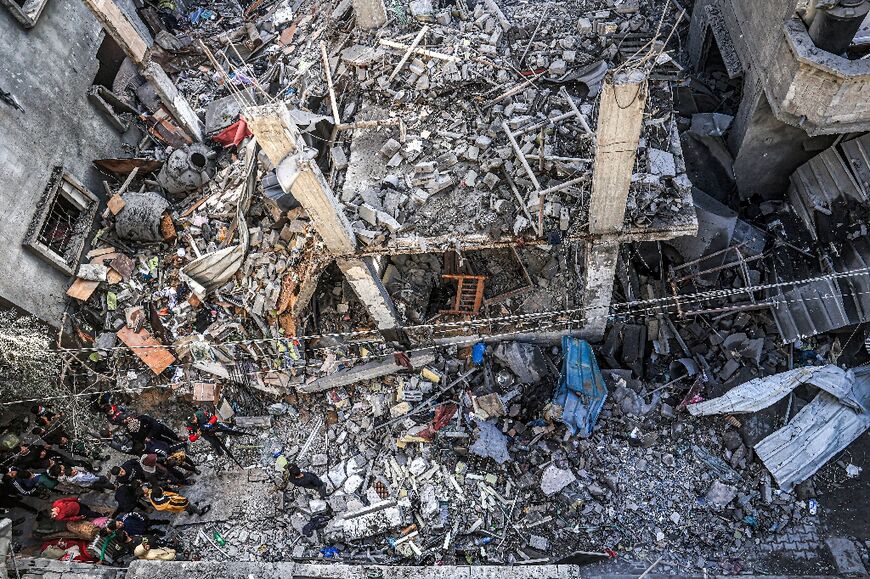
817	433
857	153
762	392
581	391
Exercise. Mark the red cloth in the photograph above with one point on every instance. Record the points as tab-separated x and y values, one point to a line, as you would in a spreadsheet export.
234	134
67	509
443	414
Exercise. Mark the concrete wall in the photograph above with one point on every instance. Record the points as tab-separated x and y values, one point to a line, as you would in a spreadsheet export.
795	97
48	69
766	150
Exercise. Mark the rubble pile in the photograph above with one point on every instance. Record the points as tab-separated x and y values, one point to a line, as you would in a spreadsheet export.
459	465
418	144
446	124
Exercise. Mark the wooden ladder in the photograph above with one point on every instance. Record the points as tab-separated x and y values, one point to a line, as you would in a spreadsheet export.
469	294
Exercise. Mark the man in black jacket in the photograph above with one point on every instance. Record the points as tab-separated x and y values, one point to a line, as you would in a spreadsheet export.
143	427
137	524
306	480
129	498
130	472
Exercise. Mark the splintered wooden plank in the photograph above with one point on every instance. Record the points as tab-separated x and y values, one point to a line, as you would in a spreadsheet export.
156	356
116	203
82	289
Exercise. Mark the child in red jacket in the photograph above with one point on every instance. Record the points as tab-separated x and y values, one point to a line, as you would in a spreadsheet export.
70	509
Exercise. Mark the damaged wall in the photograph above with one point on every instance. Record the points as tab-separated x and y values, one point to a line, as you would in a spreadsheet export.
796	98
47	70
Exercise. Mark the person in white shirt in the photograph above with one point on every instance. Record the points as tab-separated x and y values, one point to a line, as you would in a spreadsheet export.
78	476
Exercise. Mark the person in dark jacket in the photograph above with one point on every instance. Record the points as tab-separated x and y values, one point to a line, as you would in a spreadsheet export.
130	472
206	425
129	498
23	482
159	472
143	427
306	480
137	524
172	456
10	498
123	442
30	457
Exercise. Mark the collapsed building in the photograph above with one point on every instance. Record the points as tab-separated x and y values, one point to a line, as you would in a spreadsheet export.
379	234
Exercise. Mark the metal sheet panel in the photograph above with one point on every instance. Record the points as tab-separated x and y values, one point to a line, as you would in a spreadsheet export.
816	434
760	393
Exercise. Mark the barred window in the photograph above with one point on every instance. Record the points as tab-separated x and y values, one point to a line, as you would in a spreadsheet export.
62	221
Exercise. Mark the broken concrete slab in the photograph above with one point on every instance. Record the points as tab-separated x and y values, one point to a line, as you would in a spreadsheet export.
846	556
367	371
554	479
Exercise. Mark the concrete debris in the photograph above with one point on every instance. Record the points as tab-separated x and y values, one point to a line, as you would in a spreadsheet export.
720	494
555	479
378	257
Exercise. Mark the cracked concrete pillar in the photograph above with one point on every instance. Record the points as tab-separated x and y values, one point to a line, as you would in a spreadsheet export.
370	13
620	119
299	175
602	255
118	26
363	278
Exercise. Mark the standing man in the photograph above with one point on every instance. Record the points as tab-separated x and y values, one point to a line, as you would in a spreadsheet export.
206	425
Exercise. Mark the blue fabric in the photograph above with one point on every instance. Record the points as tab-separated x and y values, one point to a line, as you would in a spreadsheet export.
581	391
477	352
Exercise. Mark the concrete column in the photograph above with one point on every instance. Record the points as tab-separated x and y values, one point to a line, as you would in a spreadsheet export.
370	13
620	119
118	26
602	255
363	278
300	176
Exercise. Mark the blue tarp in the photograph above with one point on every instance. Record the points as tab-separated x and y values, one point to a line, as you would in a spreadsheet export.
581	390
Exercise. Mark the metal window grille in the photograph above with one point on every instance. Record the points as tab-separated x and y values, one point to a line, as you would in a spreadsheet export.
59	226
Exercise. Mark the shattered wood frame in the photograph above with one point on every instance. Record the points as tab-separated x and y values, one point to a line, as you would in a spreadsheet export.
81	197
27	13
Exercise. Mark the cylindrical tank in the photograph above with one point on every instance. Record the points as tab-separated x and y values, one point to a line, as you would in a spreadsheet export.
187	169
833	29
141	216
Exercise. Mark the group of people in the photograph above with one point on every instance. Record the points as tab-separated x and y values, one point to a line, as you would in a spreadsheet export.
46	462
48	465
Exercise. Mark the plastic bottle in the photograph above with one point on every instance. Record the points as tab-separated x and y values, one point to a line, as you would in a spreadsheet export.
218	539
